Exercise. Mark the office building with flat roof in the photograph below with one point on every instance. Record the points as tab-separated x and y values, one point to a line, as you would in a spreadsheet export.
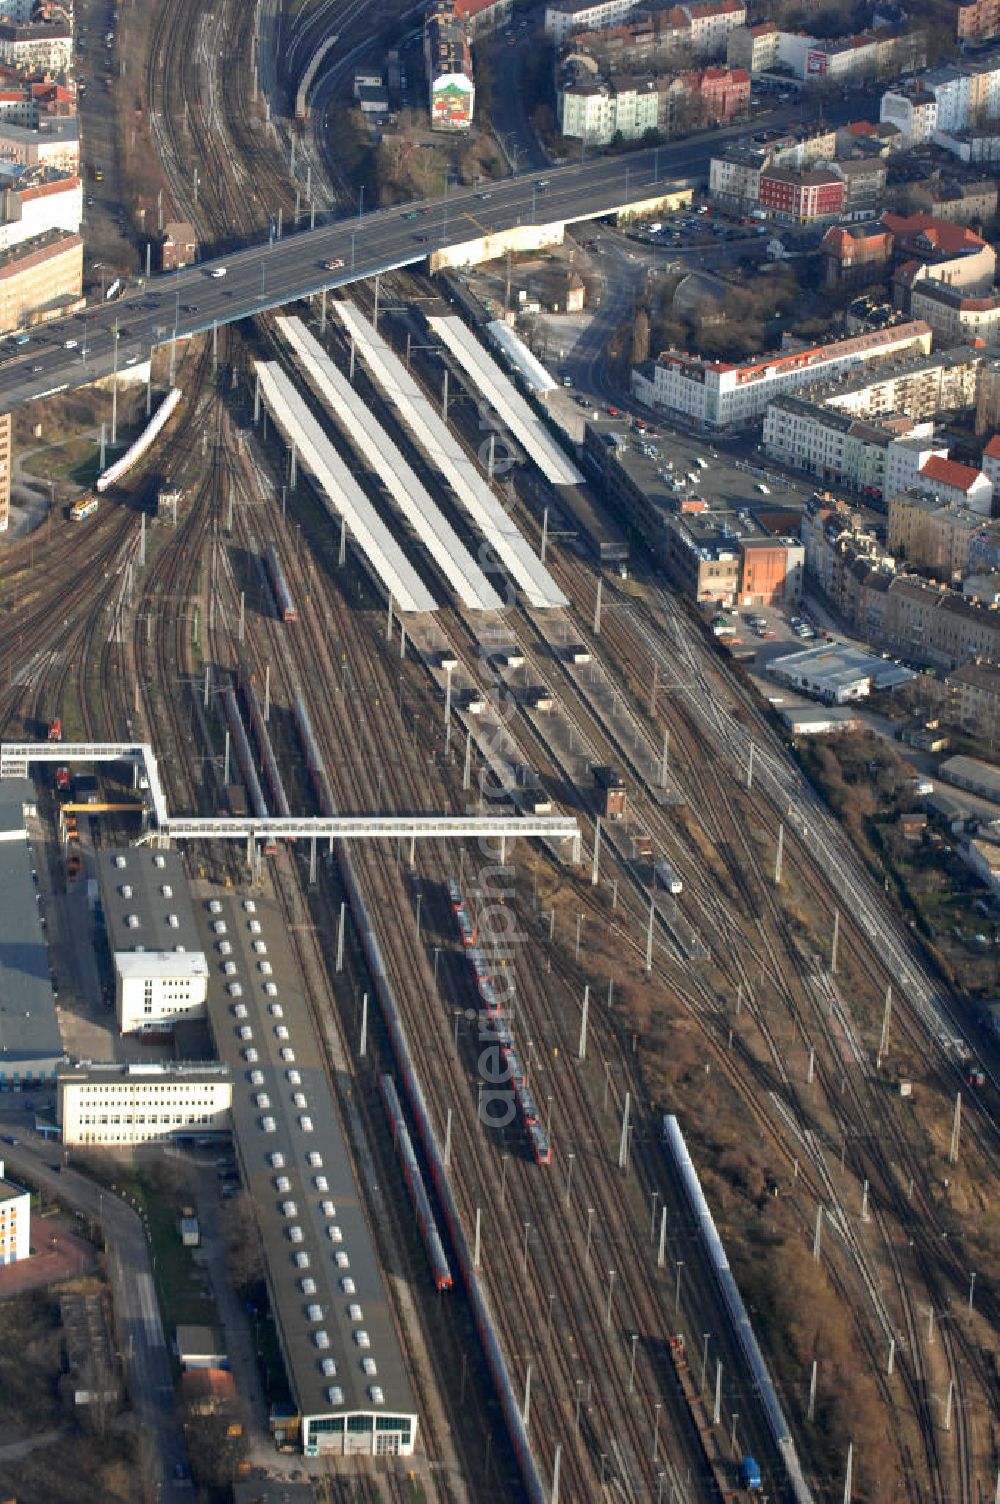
102	1104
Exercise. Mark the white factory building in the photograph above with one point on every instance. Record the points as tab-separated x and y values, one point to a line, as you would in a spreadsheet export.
160	968
15	1221
111	1105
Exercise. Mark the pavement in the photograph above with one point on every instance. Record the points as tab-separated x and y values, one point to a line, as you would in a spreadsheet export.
145	1357
56	1254
70	353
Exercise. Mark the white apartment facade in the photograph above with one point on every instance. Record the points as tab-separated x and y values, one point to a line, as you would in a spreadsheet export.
33	210
112	1105
598	111
15	1221
36	48
712	23
602	15
913	111
906	457
951	89
721	393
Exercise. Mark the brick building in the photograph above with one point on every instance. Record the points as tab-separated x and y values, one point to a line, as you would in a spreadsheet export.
801	198
977	19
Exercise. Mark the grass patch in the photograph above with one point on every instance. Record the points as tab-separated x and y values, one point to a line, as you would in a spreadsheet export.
76	462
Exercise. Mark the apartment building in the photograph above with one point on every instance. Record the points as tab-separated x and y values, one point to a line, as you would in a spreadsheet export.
925	246
36	47
52	143
918	387
864	180
720	393
932	535
958	203
914	110
753	47
803	197
39	278
960	485
481	16
977	20
712	22
973	700
15	1221
956	316
108	1105
5	470
698	98
853	255
595	110
837	448
448	62
568	16
34	200
734	178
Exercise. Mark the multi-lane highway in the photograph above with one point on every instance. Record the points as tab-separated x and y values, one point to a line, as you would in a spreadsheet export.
270	275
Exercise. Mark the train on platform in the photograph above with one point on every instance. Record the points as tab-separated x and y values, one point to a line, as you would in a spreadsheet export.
283	599
426	1221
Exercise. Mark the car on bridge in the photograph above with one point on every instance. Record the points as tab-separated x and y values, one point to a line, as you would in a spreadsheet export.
334	264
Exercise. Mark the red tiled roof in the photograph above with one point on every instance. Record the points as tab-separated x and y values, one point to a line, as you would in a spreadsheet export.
949	473
993	447
940	234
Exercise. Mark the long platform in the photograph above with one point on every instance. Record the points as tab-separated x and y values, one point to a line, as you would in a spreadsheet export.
341	491
385	460
449	458
503	396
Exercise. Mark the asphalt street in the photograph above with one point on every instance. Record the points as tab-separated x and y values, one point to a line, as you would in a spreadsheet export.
144	1353
73	352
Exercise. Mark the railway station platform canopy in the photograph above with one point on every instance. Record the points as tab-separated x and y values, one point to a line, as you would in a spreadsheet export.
341	492
503	396
451	462
15	758
384	460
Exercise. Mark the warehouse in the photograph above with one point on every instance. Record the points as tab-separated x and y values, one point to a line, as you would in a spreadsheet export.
30	1048
161	973
331	1311
970	773
836	673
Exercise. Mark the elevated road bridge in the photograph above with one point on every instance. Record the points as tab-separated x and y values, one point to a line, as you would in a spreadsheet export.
72	352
